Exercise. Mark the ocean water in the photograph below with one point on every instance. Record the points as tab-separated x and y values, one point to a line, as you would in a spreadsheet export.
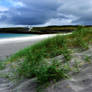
10	35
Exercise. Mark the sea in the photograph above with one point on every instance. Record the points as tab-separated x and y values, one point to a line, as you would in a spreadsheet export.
13	35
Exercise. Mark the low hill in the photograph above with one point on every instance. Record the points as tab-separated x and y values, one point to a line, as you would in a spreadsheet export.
41	30
14	30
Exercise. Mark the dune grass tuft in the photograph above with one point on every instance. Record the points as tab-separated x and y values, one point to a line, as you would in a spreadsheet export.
34	65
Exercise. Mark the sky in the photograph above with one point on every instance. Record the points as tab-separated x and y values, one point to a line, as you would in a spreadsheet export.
45	12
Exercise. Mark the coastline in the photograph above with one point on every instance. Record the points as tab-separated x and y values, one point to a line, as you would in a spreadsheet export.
10	46
23	39
28	38
79	66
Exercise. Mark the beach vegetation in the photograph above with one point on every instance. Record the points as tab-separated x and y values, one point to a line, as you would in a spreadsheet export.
87	59
36	57
2	65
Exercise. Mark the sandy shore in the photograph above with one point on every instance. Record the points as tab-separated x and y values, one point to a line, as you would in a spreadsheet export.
78	82
12	45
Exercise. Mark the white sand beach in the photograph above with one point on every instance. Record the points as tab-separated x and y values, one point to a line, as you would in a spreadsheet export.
78	82
12	45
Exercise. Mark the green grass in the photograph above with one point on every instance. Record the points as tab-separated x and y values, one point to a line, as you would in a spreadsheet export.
56	29
88	59
52	47
34	63
2	65
48	48
53	72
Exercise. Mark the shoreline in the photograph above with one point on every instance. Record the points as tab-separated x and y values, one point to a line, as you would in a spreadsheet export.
12	45
23	39
28	38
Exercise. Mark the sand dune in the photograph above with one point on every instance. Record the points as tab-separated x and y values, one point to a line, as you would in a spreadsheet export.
78	82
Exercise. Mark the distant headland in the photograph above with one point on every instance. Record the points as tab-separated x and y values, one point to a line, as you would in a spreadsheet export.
41	30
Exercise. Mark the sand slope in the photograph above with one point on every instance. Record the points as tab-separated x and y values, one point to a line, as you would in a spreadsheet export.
12	45
78	82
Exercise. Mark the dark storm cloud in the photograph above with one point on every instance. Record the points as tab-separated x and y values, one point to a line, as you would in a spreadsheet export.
32	12
35	12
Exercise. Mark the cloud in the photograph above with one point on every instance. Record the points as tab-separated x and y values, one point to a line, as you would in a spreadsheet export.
2	9
46	12
30	12
80	9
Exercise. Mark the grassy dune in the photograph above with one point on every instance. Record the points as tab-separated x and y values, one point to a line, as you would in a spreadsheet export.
33	61
52	47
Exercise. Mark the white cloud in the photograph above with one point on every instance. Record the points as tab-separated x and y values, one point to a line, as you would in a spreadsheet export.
81	9
18	4
2	9
59	22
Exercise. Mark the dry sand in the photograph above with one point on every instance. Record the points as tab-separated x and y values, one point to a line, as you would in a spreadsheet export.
79	82
12	45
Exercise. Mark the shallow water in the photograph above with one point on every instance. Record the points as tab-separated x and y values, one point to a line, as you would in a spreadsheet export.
10	35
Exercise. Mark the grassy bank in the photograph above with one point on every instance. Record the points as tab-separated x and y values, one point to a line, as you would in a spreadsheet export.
52	47
56	29
33	61
42	30
14	30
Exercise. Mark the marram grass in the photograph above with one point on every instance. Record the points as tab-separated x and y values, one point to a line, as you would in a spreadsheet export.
33	64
